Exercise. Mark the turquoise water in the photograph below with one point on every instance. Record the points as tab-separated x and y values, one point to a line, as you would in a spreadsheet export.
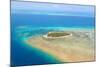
24	55
38	19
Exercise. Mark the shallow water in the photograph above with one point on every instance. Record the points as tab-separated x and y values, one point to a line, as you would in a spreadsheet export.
21	50
22	54
77	47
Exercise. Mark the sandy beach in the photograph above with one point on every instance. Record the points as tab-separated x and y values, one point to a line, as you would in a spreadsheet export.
78	47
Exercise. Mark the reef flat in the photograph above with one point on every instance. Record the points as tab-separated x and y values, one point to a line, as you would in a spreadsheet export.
75	48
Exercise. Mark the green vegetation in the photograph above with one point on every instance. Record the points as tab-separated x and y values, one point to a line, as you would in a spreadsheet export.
57	34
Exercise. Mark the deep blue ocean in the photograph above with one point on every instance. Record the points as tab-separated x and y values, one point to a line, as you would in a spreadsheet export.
52	21
21	54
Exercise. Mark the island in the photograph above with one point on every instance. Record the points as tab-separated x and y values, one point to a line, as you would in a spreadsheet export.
57	34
